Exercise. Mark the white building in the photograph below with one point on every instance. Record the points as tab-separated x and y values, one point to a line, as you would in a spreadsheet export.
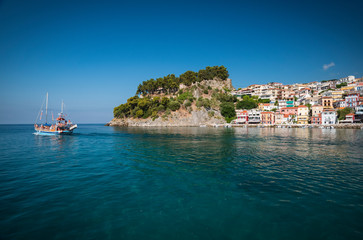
254	117
328	116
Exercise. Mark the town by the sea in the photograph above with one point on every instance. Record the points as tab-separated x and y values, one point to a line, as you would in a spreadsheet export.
181	183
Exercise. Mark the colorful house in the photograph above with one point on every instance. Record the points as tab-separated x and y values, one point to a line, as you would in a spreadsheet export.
352	100
279	118
267	117
316	110
289	110
302	114
327	102
316	119
242	117
266	106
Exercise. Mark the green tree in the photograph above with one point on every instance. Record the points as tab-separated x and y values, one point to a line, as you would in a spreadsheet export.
144	104
227	110
343	112
246	104
188	78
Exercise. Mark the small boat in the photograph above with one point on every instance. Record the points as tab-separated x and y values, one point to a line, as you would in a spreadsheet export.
61	125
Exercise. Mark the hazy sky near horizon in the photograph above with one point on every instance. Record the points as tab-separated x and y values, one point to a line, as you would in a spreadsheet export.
93	54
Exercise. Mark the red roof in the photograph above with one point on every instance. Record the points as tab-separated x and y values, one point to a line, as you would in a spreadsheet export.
302	106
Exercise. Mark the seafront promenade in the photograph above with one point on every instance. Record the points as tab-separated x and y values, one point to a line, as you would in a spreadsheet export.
339	126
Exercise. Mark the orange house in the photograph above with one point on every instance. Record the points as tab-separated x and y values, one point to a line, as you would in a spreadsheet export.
267	117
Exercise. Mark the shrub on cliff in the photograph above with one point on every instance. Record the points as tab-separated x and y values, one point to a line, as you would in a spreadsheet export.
161	108
186	95
227	110
165	101
139	113
174	105
187	103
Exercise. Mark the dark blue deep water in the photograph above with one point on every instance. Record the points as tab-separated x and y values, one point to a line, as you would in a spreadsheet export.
181	183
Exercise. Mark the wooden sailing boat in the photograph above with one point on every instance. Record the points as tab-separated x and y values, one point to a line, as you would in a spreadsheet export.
61	125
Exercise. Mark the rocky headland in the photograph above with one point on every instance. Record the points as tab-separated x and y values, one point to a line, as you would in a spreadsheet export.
192	99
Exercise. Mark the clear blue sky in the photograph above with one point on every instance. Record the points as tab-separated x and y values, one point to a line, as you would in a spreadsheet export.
93	54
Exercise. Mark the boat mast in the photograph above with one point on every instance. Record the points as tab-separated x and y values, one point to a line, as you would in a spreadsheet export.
46	110
62	107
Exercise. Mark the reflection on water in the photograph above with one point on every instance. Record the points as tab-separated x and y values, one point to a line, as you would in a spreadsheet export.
187	183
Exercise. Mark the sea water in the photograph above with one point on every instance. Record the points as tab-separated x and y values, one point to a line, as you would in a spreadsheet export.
181	183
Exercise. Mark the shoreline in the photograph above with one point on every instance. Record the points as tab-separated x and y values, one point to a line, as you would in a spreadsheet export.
227	125
332	126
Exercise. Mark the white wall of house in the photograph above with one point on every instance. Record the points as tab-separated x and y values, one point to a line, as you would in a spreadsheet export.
328	117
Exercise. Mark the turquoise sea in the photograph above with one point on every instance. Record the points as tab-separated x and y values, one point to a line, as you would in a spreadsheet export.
181	183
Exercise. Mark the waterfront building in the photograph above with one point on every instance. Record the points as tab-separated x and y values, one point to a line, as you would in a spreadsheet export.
349	118
279	118
316	119
267	117
359	113
328	116
254	117
302	114
242	117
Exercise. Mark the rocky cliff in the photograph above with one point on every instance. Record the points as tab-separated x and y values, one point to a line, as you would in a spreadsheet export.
186	115
176	119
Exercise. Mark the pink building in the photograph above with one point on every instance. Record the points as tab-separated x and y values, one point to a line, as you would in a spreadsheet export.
289	110
352	100
242	117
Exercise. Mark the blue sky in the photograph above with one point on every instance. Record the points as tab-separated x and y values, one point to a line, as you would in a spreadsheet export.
93	54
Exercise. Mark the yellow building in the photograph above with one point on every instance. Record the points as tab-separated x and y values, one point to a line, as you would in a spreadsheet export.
302	114
327	102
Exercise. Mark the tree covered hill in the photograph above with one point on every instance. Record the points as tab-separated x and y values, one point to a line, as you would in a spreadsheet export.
171	83
191	91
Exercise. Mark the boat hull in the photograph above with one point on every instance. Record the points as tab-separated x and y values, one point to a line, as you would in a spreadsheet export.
50	133
53	131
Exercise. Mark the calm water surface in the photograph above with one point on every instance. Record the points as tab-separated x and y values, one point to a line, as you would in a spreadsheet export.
181	183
